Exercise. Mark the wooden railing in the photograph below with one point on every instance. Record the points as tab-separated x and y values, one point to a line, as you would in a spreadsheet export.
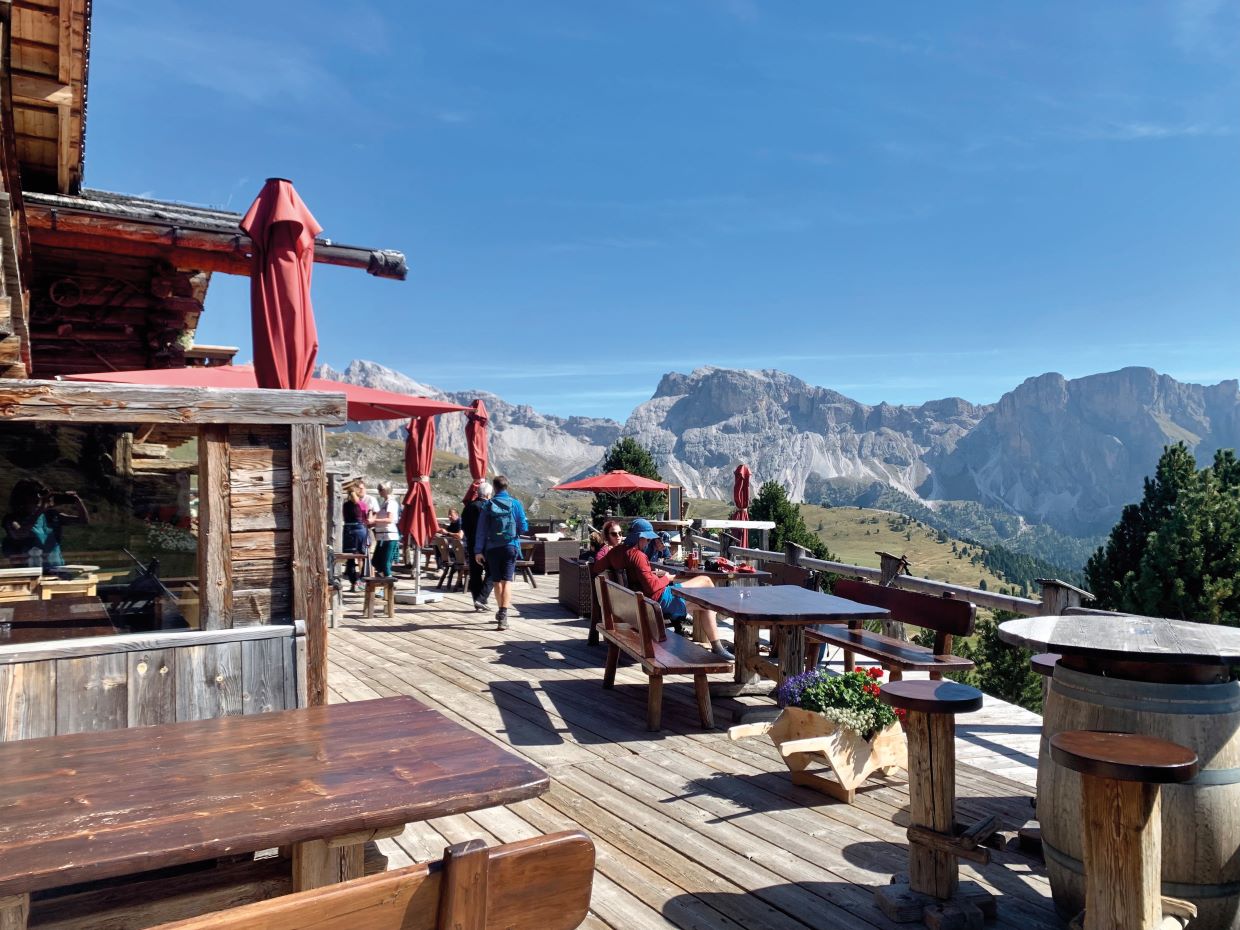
1057	596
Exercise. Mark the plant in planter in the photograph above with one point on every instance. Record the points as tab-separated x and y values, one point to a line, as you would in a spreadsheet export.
838	721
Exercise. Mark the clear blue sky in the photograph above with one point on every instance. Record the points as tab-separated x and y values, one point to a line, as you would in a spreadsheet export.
900	201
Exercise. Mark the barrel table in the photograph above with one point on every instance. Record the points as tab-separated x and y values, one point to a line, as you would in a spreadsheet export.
1168	679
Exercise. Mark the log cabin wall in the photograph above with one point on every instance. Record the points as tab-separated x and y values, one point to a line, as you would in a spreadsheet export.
261	520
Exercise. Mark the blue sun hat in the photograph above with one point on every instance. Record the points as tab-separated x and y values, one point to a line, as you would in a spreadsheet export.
639	529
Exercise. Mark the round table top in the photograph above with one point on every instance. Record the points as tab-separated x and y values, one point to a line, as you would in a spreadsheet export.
1127	638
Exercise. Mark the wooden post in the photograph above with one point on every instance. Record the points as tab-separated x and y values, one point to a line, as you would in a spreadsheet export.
1058	596
1122	833
463	890
310	553
892	567
932	797
215	585
14	911
335	516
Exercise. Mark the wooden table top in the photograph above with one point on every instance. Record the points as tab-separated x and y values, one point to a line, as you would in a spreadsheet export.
98	805
781	603
1123	638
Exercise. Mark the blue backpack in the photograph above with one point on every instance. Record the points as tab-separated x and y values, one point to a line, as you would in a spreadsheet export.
501	524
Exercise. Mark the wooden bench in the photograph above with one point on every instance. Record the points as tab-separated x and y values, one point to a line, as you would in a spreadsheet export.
372	584
542	883
633	624
947	617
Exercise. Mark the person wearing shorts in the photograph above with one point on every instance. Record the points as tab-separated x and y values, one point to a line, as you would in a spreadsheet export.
500	560
630	556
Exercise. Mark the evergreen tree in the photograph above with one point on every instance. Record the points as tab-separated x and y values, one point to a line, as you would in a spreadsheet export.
628	454
1176	553
772	503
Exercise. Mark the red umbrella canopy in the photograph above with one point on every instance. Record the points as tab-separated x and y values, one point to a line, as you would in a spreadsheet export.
476	436
417	519
286	342
740	497
364	403
613	482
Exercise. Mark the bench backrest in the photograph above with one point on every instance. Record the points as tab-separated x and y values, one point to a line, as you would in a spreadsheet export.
623	608
946	616
441	547
542	883
458	550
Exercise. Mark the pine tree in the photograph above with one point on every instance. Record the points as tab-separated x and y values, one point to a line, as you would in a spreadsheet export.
630	455
772	503
1176	553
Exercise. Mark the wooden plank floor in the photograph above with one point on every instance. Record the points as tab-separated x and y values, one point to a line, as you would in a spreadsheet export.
692	830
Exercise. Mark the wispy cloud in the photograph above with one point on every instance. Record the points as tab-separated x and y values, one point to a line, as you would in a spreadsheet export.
1140	131
604	243
453	116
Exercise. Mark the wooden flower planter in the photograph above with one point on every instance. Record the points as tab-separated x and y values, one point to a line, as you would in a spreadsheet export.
806	738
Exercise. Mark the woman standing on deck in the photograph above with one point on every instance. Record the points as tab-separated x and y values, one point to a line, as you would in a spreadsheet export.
356	535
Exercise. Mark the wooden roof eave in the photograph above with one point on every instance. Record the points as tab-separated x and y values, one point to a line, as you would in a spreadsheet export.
88	227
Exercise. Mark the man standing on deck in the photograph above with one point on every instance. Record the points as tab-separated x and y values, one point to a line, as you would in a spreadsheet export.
479	587
498	544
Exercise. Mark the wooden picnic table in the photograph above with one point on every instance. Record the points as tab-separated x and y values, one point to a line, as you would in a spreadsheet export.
101	805
788	609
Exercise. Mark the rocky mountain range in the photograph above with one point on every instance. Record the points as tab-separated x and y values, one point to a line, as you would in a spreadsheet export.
1066	453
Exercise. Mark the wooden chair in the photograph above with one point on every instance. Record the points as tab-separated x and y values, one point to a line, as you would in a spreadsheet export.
525	564
634	625
460	563
946	616
447	561
1121	825
542	883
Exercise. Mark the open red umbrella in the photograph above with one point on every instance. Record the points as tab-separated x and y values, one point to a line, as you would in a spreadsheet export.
364	403
476	436
286	342
417	519
740	497
618	482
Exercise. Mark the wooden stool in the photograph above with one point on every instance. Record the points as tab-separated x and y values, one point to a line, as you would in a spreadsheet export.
933	892
1121	825
389	593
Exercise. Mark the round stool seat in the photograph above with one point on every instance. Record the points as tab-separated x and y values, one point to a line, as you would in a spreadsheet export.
1124	756
1044	663
932	697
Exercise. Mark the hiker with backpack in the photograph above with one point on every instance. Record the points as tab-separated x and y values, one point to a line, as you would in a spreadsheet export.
498	546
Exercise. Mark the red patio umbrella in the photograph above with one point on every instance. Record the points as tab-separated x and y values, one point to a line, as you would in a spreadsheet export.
740	497
417	518
618	482
286	342
476	436
364	403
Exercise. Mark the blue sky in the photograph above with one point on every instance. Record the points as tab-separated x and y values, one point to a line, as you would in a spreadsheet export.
899	201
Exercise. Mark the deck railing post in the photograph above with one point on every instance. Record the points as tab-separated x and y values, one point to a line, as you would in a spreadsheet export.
892	567
1058	596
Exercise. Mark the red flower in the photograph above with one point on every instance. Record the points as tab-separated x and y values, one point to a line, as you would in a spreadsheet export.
874	671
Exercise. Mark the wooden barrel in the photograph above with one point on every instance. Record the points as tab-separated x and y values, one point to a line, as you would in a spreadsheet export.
1201	819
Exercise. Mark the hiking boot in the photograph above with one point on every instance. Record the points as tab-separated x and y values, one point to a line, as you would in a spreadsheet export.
501	618
719	649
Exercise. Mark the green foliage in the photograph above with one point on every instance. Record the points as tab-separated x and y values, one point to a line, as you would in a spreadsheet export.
850	699
772	503
1176	553
636	459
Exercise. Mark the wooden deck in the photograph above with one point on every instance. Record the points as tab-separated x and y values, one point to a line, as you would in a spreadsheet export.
692	830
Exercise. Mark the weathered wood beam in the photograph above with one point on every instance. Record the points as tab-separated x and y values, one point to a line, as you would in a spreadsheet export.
105	402
30	88
184	247
310	552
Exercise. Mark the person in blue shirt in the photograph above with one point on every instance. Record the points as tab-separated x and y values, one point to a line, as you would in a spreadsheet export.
497	544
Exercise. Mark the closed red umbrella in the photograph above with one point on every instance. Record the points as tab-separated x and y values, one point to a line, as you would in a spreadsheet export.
286	342
476	436
417	519
740	497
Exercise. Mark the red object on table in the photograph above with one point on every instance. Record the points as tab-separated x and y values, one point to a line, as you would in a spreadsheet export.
282	230
476	436
364	403
740	497
417	516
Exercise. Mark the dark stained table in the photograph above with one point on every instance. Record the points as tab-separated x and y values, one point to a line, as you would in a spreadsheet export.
721	579
99	805
43	621
788	609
